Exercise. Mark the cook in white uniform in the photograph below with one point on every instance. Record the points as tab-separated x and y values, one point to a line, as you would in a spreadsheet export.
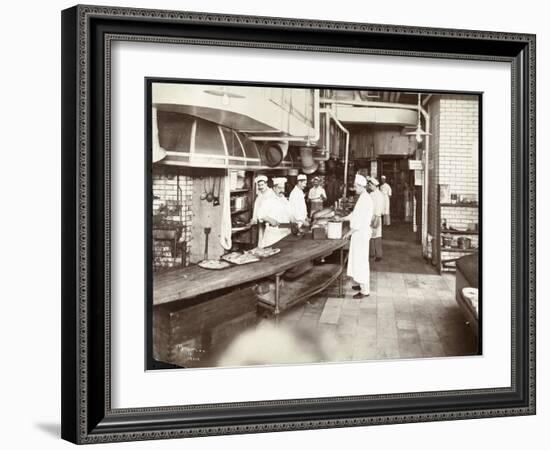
385	188
316	196
264	193
377	212
360	227
275	211
298	202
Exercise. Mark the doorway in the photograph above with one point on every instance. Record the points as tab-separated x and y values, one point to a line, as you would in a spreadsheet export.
401	180
398	176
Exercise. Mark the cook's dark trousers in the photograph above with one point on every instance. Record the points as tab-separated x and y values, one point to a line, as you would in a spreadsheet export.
375	247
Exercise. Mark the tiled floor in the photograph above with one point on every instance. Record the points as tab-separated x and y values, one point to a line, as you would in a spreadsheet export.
410	313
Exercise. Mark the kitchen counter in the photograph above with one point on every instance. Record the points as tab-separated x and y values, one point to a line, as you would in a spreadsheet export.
186	283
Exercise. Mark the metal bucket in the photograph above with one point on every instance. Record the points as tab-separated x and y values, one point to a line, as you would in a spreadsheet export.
273	153
464	243
309	165
334	230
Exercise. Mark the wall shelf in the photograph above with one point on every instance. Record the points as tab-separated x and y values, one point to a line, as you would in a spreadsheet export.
469	232
459	205
458	250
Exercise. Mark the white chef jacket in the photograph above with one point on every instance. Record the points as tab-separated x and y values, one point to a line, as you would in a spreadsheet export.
378	204
277	208
298	205
358	261
385	189
316	192
260	200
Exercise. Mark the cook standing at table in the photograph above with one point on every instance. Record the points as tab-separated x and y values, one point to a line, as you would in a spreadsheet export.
276	213
298	203
264	193
376	223
360	227
316	196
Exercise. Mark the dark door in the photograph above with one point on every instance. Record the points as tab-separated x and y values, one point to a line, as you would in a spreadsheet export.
398	176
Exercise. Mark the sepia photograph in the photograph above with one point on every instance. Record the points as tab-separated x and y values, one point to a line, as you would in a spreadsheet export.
311	224
298	221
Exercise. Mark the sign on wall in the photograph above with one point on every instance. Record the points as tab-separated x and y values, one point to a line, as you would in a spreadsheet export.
415	164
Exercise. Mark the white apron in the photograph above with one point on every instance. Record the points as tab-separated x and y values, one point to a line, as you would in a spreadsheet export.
358	261
277	208
377	210
385	189
272	235
258	203
298	205
315	197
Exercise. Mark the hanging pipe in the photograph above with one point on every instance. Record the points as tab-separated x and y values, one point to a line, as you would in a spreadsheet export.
368	103
425	197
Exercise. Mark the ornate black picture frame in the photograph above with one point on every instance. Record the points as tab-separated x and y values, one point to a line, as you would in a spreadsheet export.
87	35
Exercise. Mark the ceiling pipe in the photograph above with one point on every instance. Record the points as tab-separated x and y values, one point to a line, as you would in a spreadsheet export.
425	196
368	103
327	130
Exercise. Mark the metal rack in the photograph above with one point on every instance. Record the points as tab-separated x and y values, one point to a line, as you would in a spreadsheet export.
447	264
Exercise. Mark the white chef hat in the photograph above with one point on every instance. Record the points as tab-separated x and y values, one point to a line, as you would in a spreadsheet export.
260	178
278	181
301	177
360	180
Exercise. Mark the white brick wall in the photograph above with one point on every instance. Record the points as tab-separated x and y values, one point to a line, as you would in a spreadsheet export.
458	145
454	160
165	193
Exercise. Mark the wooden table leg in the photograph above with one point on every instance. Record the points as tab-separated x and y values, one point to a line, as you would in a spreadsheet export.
277	295
341	279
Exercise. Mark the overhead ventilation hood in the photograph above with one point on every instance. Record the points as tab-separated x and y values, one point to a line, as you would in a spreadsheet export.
380	116
194	142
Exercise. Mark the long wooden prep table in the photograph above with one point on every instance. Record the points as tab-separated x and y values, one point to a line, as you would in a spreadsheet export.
192	281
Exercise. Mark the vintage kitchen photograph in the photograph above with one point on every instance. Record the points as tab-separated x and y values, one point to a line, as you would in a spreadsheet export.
305	224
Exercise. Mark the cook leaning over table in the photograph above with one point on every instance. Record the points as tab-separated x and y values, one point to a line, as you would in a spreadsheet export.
276	213
360	227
